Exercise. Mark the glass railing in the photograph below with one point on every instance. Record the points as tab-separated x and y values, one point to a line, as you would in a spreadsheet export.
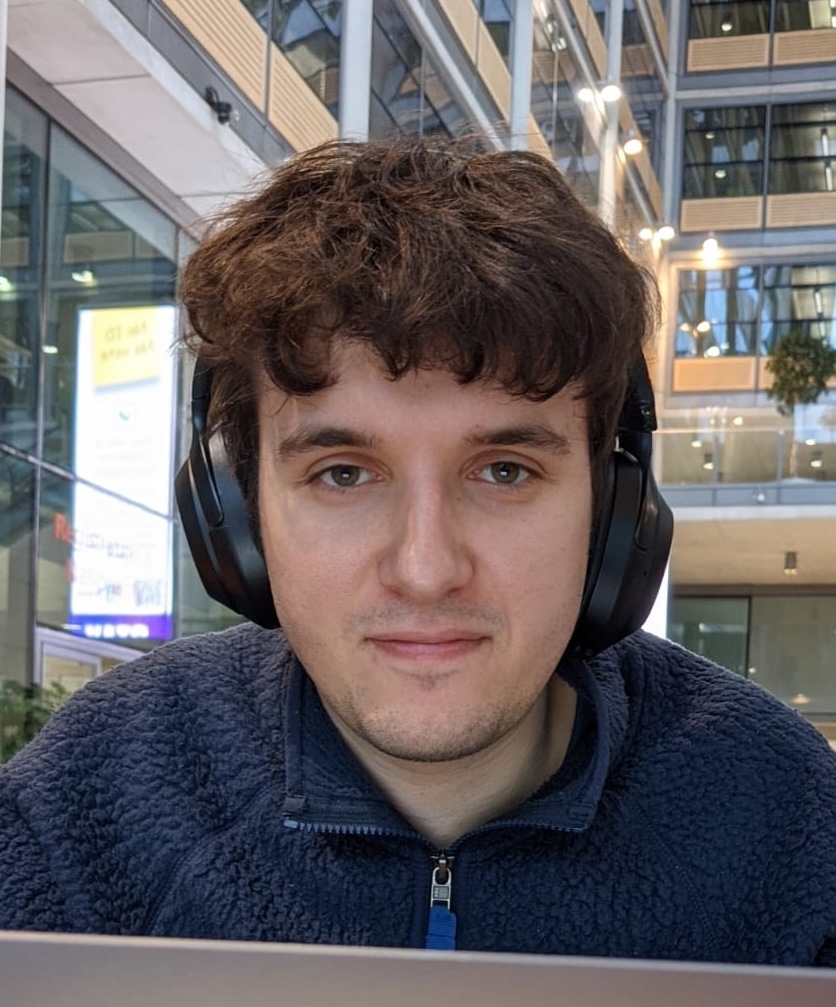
745	467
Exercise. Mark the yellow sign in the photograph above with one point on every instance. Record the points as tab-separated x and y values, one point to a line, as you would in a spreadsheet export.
125	346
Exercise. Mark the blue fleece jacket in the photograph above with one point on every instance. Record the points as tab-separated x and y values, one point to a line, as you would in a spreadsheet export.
202	791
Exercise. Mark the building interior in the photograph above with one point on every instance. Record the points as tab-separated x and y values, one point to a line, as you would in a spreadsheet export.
702	132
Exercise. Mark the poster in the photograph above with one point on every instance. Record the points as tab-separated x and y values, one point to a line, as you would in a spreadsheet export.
121	554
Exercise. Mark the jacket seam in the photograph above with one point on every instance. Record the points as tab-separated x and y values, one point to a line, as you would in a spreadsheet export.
686	880
154	910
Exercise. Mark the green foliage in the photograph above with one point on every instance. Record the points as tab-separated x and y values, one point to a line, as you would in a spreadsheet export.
24	709
801	365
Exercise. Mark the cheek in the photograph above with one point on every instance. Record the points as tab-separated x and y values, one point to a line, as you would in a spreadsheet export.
312	573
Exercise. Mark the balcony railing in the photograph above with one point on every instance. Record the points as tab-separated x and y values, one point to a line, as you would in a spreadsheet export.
751	467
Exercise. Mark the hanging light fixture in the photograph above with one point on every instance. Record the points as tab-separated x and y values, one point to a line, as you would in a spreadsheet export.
790	563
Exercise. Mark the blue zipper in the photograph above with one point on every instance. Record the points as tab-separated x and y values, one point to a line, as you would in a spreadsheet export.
441	922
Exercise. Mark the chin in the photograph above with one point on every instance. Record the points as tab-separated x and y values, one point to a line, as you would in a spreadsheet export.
430	743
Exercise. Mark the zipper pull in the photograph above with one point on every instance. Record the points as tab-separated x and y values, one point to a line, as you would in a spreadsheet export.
441	925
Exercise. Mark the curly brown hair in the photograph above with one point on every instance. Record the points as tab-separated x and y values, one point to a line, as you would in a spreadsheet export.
436	254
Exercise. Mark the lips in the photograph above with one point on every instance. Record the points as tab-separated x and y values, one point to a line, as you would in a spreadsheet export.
427	637
438	645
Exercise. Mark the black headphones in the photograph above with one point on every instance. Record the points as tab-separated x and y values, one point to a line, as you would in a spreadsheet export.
630	548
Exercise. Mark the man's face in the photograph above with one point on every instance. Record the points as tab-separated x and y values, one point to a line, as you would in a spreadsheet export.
427	546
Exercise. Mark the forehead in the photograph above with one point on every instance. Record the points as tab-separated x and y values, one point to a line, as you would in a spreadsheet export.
363	393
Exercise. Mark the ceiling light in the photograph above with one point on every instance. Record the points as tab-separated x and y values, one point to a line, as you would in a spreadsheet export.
5	283
610	93
665	232
712	351
585	94
645	234
710	135
790	564
726	25
710	249
708	461
703	326
816	460
84	275
696	442
737	421
633	145
800	699
50	348
810	442
720	173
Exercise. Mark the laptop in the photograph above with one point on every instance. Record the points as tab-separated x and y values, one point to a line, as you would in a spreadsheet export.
72	970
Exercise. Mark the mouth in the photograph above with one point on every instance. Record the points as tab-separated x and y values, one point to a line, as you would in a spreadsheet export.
437	645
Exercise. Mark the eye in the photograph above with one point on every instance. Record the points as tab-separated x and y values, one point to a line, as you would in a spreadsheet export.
505	473
344	476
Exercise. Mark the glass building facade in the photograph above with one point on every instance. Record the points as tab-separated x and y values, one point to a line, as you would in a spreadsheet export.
88	377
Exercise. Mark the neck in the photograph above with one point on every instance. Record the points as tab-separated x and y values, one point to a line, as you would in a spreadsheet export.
445	800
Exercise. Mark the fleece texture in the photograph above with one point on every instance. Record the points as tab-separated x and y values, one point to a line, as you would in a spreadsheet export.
202	791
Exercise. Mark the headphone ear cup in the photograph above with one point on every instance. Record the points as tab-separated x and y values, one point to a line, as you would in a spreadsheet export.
627	561
218	530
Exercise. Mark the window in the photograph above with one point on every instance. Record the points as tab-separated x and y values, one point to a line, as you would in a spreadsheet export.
717	312
727	18
792	650
784	643
797	297
724	150
408	94
715	628
747	309
802	15
559	116
21	250
498	18
803	146
108	247
308	33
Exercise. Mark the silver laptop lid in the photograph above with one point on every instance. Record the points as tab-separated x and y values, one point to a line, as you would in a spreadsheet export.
56	970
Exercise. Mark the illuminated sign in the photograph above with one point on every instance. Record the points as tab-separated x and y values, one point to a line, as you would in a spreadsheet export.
120	563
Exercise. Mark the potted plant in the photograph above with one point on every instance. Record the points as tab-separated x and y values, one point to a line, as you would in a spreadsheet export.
801	366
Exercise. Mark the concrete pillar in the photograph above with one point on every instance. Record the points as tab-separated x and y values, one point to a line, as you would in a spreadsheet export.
607	190
355	69
522	41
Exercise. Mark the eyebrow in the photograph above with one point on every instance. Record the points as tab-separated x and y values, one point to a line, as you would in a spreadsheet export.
311	438
533	435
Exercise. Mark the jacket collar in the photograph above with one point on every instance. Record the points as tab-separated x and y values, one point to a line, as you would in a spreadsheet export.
328	790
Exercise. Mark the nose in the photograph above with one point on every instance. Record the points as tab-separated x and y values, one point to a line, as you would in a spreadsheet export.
426	558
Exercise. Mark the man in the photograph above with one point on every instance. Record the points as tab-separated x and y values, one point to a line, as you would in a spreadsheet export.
422	432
